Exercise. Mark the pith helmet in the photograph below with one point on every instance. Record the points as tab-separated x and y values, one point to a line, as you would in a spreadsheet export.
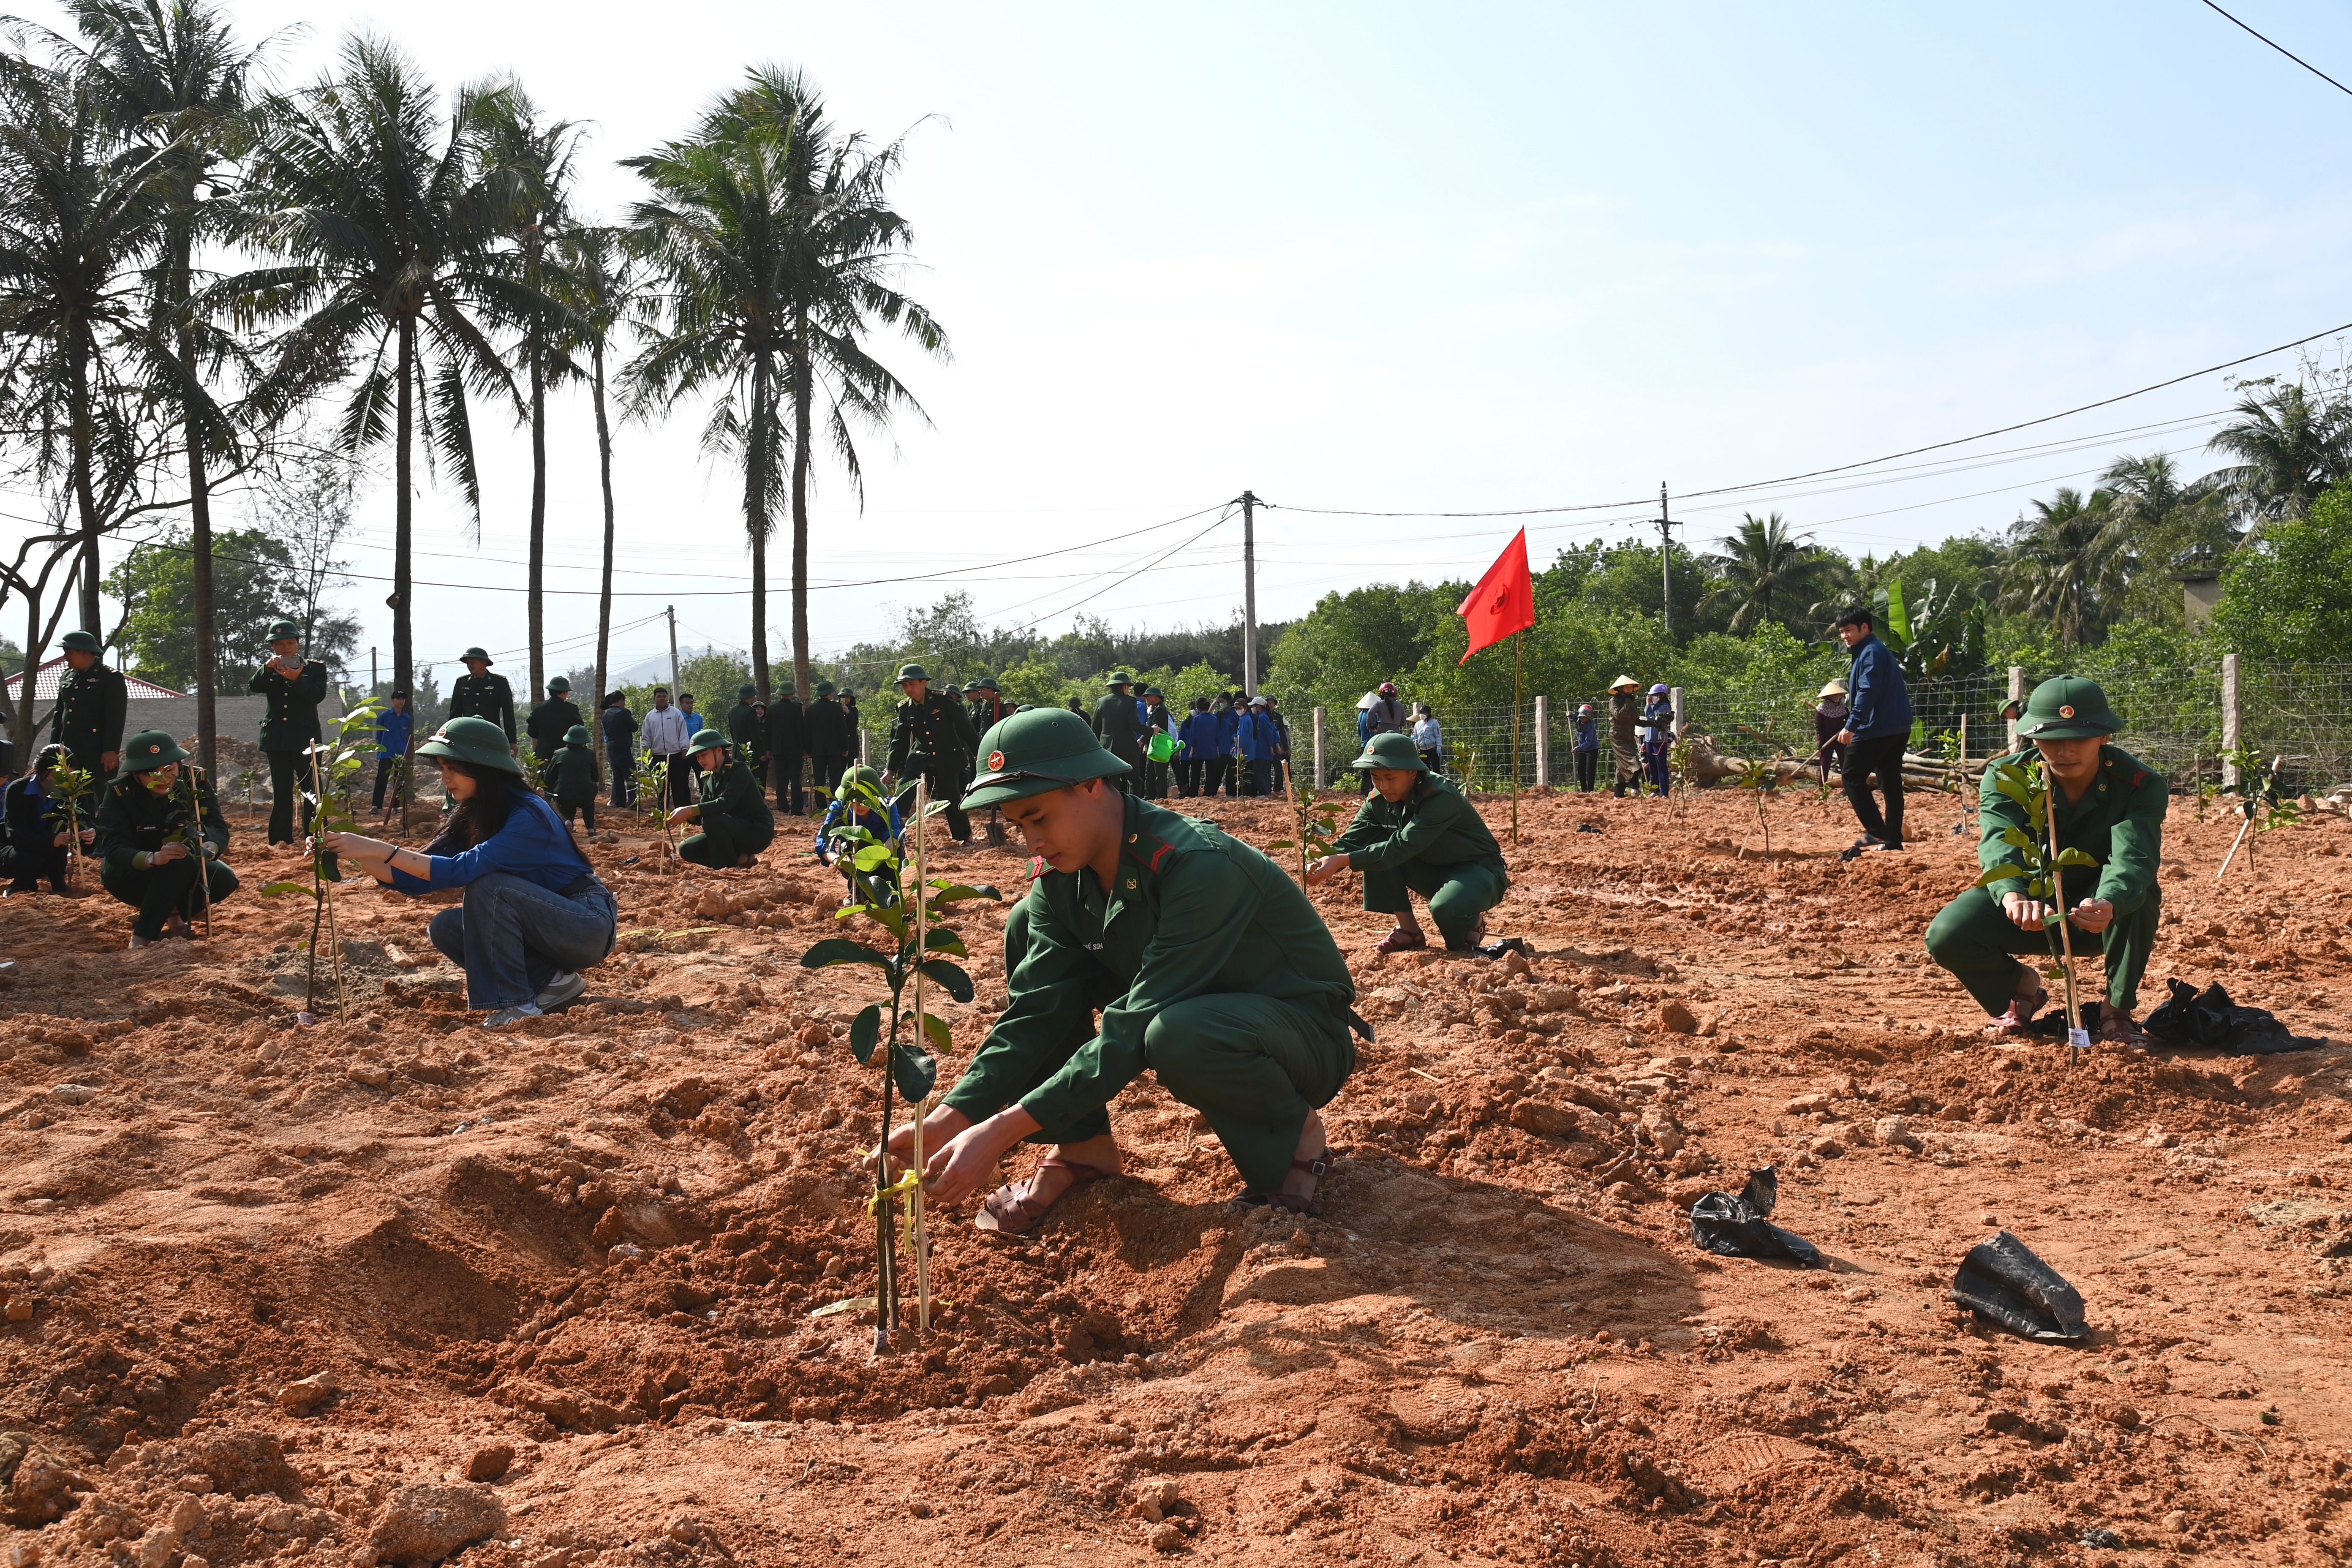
1036	751
478	741
745	693
907	672
561	683
854	779
986	683
824	689
1118	679
706	741
279	630
82	642
149	749
576	736
2068	708
481	653
1392	750
1153	691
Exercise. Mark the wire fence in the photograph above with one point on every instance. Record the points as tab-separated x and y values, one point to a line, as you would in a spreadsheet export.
2174	718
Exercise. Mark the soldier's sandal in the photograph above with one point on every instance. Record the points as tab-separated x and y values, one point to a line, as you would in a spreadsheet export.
1008	1214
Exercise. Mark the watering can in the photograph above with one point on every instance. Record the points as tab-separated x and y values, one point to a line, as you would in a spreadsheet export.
1163	748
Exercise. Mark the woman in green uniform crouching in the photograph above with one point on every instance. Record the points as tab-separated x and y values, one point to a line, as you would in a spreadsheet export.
1416	834
2110	806
1208	965
737	821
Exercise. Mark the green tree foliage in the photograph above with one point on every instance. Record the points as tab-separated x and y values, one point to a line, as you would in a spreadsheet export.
255	582
2288	595
2292	442
1766	573
1352	642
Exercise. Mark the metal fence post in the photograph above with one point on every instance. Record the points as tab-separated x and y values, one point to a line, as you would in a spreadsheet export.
1319	748
2232	720
2016	694
1543	742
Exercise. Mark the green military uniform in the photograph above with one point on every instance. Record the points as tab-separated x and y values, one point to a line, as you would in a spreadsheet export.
1432	842
1118	725
574	773
734	815
553	719
937	731
2119	823
746	730
290	728
134	822
485	696
88	719
1208	964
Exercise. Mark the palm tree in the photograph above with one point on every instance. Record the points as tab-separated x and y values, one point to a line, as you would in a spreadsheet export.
2064	562
79	212
599	283
777	250
535	161
1761	564
172	80
391	218
2289	445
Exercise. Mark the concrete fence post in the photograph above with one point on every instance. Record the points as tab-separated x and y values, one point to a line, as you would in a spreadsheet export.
1674	698
2016	694
1319	748
1543	742
2233	718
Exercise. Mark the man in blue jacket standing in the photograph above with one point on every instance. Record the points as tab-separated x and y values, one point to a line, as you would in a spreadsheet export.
1877	728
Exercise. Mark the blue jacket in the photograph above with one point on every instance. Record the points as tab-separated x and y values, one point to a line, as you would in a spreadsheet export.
1880	704
1658	721
837	816
392	732
1588	735
1194	733
1259	740
534	845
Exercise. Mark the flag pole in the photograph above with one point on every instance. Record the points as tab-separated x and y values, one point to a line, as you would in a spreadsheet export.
1518	670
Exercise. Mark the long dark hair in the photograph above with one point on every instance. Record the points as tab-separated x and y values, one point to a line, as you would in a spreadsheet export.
476	820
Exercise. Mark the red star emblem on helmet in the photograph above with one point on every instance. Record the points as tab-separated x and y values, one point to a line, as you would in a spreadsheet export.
996	762
2066	711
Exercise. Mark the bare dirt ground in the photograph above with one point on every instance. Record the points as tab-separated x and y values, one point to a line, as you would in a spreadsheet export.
277	1292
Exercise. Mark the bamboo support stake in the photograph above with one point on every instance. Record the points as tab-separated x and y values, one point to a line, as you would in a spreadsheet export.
204	869
327	889
915	1197
2075	1038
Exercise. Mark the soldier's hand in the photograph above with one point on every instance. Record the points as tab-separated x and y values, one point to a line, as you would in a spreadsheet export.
2094	915
888	780
174	850
106	761
61	839
682	814
2031	914
1324	869
90	835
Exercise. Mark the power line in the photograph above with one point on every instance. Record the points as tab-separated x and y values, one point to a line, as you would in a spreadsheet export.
2280	48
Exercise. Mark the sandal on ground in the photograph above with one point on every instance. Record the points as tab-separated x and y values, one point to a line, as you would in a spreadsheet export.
2117	1028
1009	1212
1402	939
1292	1203
2019	1019
1472	940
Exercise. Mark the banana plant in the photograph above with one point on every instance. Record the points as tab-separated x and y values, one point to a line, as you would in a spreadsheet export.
877	866
2039	864
337	764
1315	823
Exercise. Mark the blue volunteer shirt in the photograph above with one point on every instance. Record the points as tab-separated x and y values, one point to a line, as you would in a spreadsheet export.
534	845
1879	702
392	732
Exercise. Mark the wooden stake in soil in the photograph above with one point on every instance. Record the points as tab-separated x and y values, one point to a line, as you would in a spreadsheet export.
915	1197
2075	1038
1519	671
204	872
326	893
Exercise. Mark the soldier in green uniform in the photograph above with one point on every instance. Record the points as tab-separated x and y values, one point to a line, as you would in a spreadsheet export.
291	688
2111	806
552	721
479	694
1207	963
1416	834
984	705
734	811
573	772
1120	727
931	735
747	729
91	699
146	817
830	743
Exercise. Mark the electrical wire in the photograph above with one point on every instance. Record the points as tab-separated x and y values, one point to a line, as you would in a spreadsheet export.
2280	48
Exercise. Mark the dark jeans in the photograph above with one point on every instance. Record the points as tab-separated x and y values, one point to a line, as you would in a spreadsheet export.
1657	768
288	772
1212	773
584	809
1155	780
1883	755
1588	768
784	771
678	788
512	936
1188	776
159	892
623	764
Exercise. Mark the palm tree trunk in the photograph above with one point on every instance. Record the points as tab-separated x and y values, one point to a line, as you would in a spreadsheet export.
604	473
403	653
801	397
85	436
755	517
200	572
538	610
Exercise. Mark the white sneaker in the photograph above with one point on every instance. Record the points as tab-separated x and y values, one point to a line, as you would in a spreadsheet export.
565	987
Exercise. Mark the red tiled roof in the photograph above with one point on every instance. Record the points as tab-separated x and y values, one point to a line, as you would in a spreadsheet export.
46	679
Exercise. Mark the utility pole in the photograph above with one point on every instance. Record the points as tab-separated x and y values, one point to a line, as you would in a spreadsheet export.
1249	594
371	680
671	611
1666	562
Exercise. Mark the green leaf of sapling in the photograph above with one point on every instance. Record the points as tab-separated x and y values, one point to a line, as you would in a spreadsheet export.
865	1032
914	1069
835	950
2073	856
937	1028
938	938
956	981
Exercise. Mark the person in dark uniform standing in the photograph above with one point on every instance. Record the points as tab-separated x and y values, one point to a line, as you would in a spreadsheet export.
620	728
479	694
746	731
144	856
291	688
393	729
574	773
1117	726
931	734
852	733
91	698
828	738
1157	720
787	745
552	721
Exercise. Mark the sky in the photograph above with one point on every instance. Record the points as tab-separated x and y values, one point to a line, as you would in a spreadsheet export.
1408	259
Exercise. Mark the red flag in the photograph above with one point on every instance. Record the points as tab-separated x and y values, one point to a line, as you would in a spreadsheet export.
1504	601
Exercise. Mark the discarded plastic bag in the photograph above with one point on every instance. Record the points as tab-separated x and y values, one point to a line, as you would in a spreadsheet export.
2210	1018
2004	1281
1735	1225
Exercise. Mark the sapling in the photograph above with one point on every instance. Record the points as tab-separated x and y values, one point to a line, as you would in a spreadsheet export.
2040	865
336	765
653	791
877	866
1763	775
2257	802
73	787
1315	826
